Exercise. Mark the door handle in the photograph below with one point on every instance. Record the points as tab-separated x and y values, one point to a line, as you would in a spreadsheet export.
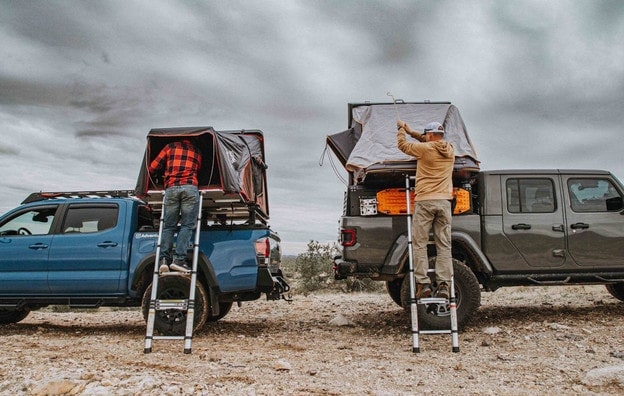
107	244
38	246
558	227
558	253
582	226
521	226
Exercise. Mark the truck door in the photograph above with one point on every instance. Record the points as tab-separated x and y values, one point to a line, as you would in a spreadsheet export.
86	255
25	240
595	223
533	219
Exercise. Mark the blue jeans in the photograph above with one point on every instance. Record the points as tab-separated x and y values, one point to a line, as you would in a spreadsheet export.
181	206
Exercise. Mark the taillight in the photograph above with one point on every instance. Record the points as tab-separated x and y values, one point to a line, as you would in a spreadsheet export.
263	247
347	237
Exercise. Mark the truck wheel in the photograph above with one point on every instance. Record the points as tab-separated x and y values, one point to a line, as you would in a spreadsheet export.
8	316
438	316
172	322
616	290
394	290
224	309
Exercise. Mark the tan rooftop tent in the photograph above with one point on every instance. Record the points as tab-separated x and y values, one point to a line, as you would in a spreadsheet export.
369	145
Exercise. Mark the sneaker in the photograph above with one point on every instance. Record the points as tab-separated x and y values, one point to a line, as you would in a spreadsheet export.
423	290
180	266
442	291
164	267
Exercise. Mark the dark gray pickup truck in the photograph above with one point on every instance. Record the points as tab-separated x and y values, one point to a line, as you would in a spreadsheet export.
510	227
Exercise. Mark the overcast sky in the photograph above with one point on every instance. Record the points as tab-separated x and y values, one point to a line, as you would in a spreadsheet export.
539	85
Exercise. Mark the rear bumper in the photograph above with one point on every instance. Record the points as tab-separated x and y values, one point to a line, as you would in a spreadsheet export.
273	284
343	269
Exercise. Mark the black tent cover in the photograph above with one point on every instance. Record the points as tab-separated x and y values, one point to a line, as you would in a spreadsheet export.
370	146
233	164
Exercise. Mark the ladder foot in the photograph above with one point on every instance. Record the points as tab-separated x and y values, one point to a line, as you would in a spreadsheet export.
187	351
147	350
455	349
416	350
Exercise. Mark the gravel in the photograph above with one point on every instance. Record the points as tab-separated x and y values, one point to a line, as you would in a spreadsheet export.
523	341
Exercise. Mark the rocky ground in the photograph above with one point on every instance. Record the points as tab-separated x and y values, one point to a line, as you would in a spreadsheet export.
524	341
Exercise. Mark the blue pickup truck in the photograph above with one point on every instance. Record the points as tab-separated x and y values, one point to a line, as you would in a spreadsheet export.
97	248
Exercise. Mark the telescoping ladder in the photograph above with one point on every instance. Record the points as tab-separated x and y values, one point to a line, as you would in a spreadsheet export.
185	305
452	302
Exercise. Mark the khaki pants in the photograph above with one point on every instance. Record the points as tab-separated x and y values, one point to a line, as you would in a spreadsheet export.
434	213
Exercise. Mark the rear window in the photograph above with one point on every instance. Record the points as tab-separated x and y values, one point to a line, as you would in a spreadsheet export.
593	195
530	195
89	219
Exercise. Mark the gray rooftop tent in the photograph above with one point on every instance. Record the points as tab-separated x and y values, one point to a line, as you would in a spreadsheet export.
232	175
369	146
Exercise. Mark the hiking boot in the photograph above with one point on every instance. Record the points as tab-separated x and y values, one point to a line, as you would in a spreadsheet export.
423	290
180	266
164	267
443	290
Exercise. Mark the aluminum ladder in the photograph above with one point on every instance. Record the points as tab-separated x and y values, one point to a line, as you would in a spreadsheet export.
452	301
186	305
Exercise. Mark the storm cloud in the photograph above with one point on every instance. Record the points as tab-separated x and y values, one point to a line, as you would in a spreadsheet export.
539	85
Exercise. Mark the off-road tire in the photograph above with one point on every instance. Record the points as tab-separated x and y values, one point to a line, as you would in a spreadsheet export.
224	309
438	316
8	316
616	290
393	288
173	322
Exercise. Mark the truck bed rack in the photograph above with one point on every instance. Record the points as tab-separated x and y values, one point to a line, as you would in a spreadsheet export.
218	206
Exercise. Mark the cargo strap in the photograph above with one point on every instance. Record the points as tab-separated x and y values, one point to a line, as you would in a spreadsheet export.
183	305
451	302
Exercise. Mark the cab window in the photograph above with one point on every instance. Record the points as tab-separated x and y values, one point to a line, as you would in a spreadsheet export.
35	221
594	195
530	195
88	219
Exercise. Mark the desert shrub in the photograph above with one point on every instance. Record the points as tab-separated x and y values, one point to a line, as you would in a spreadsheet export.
313	271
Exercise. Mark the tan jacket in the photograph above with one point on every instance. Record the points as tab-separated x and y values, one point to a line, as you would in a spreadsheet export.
434	172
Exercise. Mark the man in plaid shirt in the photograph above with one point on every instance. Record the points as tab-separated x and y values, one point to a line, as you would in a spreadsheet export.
180	161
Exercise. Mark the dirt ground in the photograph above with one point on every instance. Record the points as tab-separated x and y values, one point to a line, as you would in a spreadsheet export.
524	341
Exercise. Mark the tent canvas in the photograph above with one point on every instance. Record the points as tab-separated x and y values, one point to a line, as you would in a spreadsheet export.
370	144
232	174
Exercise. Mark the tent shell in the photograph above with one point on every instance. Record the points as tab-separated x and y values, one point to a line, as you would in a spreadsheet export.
232	177
345	145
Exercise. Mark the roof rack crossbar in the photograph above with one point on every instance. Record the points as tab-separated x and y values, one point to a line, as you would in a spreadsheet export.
45	195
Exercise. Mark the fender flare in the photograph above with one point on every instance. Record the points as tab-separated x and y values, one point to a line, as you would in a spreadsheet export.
205	271
473	250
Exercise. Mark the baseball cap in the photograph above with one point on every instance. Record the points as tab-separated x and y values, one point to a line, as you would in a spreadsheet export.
433	127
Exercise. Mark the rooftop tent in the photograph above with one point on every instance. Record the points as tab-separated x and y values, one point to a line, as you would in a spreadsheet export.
370	145
232	175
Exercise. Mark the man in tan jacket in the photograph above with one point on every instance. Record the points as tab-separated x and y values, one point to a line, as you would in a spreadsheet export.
432	207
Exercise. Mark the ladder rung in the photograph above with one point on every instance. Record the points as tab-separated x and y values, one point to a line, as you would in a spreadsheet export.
159	337
435	331
170	304
432	300
175	273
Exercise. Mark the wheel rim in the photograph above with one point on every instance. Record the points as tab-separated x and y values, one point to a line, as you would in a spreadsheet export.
442	310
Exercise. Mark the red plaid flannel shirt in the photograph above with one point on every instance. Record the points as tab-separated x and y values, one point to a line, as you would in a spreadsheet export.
181	162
